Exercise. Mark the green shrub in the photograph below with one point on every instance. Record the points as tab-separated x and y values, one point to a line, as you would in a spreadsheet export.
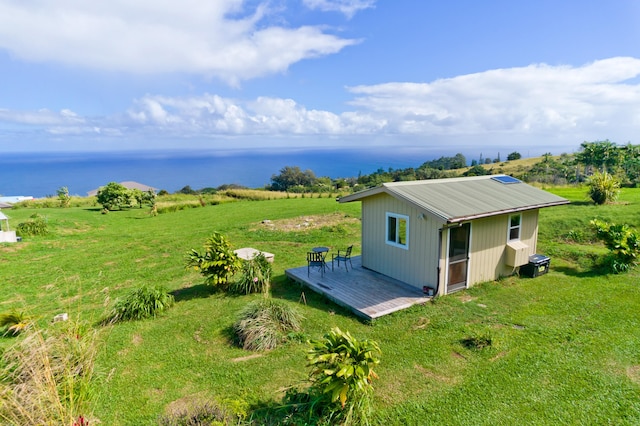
14	322
623	244
141	303
218	261
35	225
603	188
255	276
342	375
266	323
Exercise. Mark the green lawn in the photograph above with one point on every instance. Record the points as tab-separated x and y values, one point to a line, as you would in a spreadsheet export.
565	347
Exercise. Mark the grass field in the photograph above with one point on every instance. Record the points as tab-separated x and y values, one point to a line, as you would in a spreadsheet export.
565	347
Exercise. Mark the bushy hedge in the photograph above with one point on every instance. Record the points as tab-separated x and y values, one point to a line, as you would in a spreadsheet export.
35	225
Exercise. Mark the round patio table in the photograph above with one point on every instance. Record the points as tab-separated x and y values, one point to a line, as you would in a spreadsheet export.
320	249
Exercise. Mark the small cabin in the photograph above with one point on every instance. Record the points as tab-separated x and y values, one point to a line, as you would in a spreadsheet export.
449	234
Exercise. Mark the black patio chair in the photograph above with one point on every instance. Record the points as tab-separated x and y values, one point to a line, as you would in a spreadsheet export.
315	260
344	256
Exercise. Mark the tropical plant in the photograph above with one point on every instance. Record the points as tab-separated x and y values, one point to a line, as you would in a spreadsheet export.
255	276
14	322
265	323
218	261
141	303
623	244
603	188
342	373
35	225
46	378
64	197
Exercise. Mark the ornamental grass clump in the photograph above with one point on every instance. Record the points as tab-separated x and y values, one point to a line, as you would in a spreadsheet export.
141	303
46	377
603	188
266	323
255	276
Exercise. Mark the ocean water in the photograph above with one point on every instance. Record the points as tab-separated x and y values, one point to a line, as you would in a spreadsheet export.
40	175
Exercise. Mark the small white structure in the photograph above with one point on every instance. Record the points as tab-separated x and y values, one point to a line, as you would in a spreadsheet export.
6	235
248	253
15	199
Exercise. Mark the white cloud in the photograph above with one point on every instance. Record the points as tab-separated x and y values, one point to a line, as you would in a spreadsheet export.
221	38
43	117
535	99
346	7
538	99
537	104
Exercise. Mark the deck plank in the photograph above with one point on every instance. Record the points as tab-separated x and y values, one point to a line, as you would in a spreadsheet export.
367	293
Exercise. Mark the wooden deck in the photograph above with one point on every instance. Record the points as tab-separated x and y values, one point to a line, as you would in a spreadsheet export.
367	293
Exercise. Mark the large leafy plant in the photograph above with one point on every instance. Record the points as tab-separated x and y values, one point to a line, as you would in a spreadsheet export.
623	244
218	261
342	375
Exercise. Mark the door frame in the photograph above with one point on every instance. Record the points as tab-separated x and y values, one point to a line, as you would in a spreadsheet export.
448	263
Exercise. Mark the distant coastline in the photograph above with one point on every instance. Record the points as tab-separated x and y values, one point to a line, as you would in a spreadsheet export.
41	174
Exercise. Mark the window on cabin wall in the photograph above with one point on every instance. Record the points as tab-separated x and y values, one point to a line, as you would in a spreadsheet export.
397	230
515	225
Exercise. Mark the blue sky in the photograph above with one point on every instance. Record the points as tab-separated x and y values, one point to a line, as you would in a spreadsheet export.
495	76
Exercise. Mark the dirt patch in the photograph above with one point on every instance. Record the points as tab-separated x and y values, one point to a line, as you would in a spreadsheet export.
246	358
303	223
432	375
136	340
497	357
458	355
633	373
13	247
423	322
465	298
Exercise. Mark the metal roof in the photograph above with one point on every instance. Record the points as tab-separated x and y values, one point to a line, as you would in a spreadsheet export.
460	199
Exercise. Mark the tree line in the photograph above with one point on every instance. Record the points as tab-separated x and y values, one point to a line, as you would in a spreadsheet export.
622	161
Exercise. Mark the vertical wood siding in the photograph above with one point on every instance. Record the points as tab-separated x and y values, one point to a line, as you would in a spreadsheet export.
488	245
417	266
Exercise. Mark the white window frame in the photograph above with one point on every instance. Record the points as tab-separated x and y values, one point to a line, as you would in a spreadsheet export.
512	228
398	218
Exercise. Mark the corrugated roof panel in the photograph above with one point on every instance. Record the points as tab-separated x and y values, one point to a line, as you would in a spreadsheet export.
462	198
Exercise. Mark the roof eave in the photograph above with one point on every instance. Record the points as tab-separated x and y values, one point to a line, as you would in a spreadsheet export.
505	211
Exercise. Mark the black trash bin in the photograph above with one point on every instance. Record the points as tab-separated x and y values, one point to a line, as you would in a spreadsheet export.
538	265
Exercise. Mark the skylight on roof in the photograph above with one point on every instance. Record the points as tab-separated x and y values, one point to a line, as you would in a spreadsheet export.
506	179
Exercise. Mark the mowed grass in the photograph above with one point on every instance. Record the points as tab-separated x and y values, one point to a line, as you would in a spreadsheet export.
565	347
